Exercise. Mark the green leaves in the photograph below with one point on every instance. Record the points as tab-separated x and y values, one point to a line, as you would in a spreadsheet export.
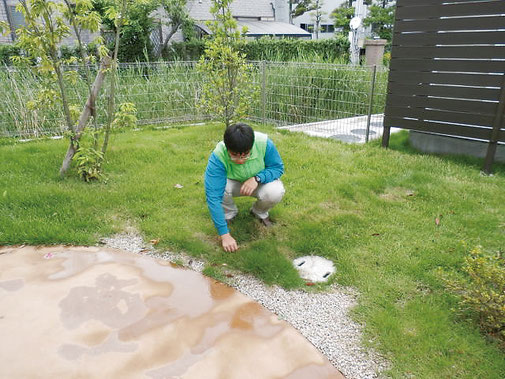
342	16
227	91
4	28
482	289
89	164
382	19
125	117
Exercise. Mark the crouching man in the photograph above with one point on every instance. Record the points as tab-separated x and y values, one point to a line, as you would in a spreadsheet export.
246	163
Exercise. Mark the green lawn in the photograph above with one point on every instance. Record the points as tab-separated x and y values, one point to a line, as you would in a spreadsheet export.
370	210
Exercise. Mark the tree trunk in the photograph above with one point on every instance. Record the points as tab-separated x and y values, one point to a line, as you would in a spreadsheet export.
86	113
169	36
84	63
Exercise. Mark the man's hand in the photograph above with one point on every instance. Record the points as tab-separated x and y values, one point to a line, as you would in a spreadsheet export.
248	187
229	243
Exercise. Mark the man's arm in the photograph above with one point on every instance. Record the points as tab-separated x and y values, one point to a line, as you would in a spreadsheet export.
215	184
274	167
273	170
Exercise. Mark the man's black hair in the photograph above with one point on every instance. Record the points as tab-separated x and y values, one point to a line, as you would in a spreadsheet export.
239	138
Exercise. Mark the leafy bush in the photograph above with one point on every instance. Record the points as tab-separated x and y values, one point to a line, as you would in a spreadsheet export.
126	117
6	52
89	163
135	42
482	290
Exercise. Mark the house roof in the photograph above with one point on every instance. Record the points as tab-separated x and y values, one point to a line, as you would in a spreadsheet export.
200	9
257	28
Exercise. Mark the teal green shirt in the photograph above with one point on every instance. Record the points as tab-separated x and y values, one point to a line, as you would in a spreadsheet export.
251	167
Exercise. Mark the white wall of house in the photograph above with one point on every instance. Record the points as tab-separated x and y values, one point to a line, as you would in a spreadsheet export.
307	20
17	18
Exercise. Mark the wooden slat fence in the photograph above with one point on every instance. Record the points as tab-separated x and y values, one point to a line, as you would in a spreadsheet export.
447	72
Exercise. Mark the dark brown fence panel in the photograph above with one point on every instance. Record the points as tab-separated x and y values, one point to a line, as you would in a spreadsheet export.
447	70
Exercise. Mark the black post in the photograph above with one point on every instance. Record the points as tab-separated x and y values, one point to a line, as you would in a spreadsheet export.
385	136
497	123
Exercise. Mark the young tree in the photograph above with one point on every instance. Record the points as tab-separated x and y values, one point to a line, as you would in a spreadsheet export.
302	7
178	18
116	13
44	31
46	26
89	160
227	89
317	14
342	16
381	16
81	16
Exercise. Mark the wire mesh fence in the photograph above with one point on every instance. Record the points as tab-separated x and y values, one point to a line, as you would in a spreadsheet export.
330	100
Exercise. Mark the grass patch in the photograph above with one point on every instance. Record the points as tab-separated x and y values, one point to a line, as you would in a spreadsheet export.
372	211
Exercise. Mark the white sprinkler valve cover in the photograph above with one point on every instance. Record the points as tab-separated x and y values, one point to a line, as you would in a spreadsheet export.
314	268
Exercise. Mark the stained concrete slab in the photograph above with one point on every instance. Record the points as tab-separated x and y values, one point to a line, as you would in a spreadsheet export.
103	313
349	129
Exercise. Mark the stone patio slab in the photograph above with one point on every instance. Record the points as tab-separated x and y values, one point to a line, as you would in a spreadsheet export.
92	312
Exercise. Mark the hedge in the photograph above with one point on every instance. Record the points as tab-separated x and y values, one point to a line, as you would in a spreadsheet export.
268	49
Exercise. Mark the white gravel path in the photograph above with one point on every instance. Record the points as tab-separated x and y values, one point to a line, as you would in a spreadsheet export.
323	318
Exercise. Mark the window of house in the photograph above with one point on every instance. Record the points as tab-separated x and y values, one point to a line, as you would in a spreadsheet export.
17	18
308	27
327	28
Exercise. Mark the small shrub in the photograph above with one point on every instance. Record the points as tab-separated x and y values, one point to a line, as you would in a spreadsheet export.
126	117
386	59
482	290
89	164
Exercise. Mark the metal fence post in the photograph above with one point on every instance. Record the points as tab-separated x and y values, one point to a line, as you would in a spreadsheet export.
370	103
494	137
263	92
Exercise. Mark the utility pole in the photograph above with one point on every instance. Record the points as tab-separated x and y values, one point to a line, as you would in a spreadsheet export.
318	16
356	25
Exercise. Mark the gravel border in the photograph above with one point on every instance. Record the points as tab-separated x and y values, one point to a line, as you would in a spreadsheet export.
322	318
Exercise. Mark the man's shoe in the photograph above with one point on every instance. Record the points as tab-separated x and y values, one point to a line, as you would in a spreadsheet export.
267	222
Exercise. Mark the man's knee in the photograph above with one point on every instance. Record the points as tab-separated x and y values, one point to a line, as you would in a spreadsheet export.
272	192
228	191
231	188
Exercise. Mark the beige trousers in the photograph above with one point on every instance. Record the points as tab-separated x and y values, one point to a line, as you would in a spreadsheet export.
268	196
